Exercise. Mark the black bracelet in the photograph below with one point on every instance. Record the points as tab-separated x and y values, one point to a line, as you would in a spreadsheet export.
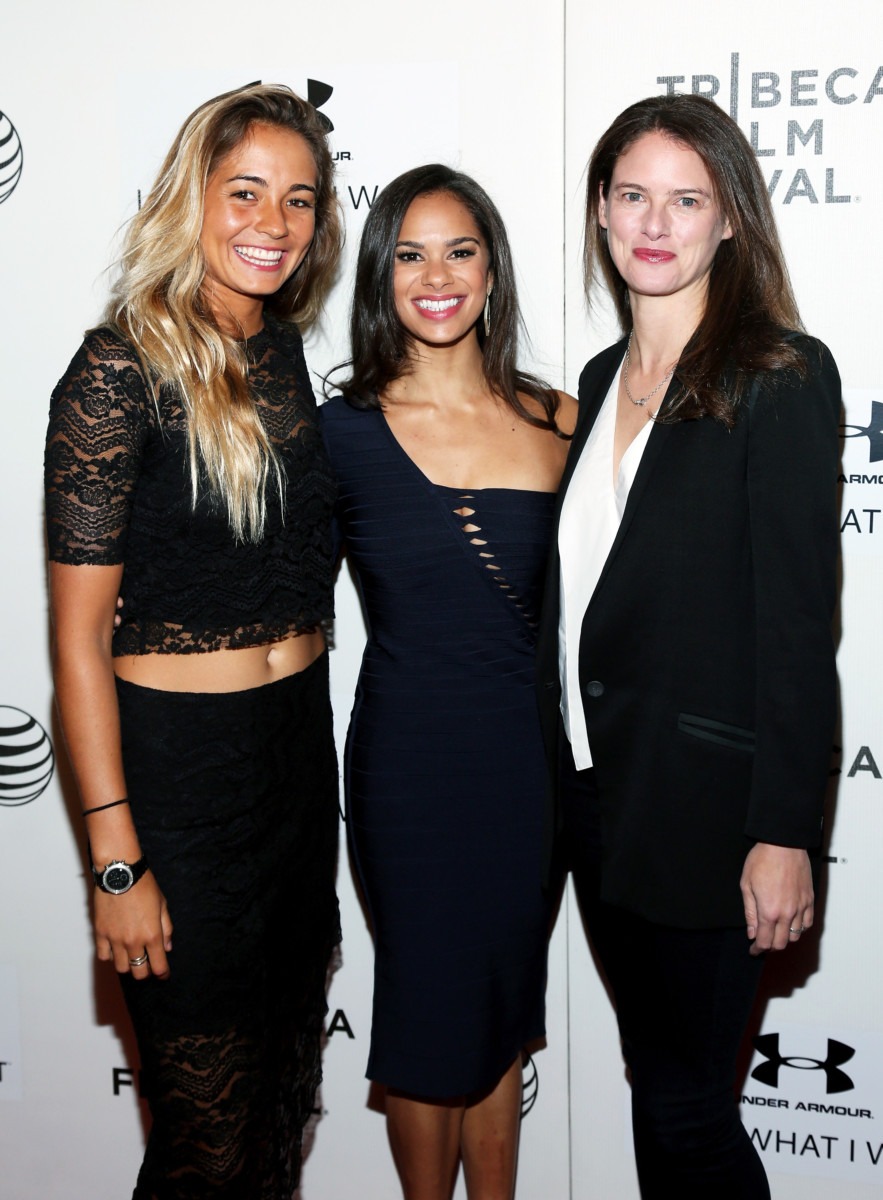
87	812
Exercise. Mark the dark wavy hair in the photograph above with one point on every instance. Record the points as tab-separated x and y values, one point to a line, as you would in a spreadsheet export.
750	314
379	343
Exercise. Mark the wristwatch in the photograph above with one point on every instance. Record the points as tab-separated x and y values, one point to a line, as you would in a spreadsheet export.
119	877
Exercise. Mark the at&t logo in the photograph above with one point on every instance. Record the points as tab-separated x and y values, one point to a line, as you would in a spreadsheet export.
11	157
27	759
530	1085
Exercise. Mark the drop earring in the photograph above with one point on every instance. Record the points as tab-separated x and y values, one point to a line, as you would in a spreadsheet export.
487	315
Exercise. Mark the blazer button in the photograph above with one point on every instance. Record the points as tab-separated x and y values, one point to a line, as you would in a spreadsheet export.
595	688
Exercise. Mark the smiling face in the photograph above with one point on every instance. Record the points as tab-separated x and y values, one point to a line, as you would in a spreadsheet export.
258	221
662	220
441	276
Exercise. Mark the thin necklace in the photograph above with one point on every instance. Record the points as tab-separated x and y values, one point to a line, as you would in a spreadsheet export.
642	400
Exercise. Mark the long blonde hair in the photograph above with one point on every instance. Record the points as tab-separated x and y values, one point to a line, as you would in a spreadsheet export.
159	306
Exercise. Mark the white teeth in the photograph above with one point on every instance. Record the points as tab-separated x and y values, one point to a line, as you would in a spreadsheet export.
258	254
437	305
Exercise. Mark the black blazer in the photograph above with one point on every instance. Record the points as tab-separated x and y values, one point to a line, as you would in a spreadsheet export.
706	654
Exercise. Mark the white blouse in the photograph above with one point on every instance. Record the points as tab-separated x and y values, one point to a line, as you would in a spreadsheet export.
590	518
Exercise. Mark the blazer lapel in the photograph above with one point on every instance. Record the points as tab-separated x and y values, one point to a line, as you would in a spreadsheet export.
594	384
659	435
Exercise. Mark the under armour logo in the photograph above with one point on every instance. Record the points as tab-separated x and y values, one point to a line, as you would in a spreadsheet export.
873	431
317	94
838	1053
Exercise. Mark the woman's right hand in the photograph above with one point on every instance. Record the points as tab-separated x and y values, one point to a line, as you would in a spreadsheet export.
134	924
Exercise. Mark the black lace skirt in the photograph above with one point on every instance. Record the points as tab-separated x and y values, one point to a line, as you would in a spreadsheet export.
234	796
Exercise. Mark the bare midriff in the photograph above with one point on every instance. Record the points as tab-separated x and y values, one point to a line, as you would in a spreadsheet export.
222	670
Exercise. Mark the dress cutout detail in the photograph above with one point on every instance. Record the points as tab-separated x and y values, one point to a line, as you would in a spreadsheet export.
466	513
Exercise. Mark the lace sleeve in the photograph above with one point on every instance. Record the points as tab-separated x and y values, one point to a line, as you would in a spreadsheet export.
97	428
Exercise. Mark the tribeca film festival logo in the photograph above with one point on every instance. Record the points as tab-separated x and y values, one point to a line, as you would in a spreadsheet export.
771	135
27	759
11	157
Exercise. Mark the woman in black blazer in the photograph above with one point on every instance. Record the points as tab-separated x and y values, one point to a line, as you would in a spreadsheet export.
686	663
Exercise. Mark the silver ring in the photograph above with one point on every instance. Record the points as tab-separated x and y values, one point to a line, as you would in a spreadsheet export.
799	931
142	959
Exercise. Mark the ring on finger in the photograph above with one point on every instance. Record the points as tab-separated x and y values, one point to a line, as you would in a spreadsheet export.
142	959
798	932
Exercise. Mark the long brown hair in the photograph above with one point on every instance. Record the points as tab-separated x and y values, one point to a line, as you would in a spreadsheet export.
750	311
159	306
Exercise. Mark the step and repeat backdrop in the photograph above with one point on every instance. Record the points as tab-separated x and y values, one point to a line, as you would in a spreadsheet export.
515	94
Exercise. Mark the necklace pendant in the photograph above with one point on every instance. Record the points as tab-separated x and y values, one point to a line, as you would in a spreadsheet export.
641	400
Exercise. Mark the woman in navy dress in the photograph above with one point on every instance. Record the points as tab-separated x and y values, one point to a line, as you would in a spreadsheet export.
448	459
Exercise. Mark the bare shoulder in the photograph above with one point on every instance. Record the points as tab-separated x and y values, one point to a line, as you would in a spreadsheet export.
565	413
568	408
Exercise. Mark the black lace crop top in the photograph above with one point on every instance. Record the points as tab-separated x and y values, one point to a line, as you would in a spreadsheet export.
118	491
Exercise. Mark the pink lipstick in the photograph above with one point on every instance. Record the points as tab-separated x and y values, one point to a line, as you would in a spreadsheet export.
437	308
653	256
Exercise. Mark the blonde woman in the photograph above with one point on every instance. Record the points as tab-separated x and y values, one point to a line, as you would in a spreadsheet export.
185	472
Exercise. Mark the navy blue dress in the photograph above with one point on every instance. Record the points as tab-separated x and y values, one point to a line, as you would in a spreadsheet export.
445	774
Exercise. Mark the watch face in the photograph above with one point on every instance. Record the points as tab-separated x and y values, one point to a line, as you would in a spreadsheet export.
118	878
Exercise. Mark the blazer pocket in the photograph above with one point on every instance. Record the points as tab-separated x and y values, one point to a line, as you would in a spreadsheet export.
716	731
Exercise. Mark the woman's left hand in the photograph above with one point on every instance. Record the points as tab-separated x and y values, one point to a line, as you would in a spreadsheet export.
777	893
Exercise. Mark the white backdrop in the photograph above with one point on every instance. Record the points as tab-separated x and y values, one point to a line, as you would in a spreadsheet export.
515	94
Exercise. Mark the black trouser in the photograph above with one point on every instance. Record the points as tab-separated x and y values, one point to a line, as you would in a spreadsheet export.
683	998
